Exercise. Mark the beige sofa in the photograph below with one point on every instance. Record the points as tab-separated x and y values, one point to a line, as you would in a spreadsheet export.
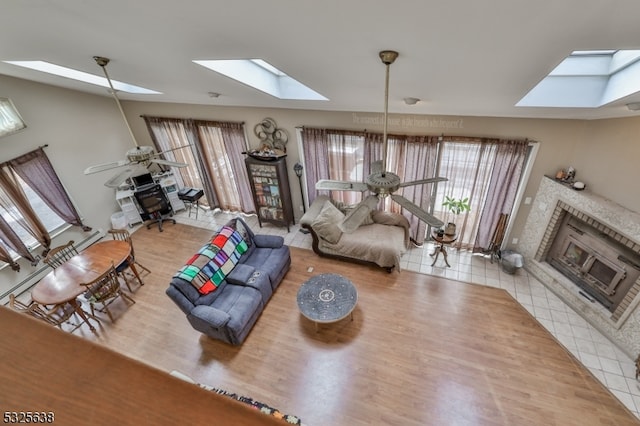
380	240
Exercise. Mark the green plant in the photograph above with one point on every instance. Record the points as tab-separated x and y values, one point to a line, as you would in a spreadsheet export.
456	206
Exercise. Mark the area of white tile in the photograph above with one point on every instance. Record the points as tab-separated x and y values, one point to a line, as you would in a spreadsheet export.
615	369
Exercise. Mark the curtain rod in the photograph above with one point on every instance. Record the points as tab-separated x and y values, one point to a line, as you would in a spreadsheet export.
192	119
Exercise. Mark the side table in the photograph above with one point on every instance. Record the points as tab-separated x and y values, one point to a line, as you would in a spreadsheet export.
327	298
191	196
440	246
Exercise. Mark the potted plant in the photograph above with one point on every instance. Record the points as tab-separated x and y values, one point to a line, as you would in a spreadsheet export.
455	206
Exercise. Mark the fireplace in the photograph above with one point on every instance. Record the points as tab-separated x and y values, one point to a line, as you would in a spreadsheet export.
602	267
586	250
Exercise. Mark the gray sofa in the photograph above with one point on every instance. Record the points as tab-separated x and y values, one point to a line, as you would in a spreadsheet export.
229	312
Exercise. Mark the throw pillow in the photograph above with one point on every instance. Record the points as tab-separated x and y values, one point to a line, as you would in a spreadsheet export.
346	209
326	223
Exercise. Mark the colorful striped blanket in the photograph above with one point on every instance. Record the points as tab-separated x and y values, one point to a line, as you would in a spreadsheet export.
213	262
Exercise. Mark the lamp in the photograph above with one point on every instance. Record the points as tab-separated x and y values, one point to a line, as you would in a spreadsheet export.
298	169
10	120
633	106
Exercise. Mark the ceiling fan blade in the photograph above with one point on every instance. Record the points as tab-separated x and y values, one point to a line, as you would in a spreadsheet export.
421	181
356	216
106	166
339	185
174	149
376	167
419	212
168	163
119	179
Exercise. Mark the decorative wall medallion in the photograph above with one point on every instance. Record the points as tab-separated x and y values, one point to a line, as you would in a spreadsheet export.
271	137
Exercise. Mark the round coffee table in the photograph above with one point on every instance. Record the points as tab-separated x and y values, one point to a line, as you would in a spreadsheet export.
327	298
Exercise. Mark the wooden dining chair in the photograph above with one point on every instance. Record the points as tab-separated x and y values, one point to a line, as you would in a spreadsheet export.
57	315
58	255
31	309
124	235
104	290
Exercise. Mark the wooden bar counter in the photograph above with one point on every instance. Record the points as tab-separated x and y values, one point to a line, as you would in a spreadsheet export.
45	370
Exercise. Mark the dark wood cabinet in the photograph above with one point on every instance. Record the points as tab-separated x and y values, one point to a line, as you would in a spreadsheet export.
271	194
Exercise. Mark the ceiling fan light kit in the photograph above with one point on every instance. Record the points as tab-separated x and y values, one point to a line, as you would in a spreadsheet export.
380	182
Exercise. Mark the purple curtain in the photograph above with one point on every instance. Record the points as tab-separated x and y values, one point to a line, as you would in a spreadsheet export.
420	162
36	170
169	133
503	185
216	159
235	144
9	238
316	159
16	204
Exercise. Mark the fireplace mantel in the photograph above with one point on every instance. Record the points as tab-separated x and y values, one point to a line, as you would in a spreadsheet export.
623	331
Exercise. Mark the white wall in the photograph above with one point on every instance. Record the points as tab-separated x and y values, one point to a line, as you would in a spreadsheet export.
80	130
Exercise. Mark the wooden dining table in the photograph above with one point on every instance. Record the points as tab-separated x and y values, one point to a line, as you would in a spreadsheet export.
64	283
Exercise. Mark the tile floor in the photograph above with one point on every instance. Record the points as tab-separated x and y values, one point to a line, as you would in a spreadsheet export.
610	365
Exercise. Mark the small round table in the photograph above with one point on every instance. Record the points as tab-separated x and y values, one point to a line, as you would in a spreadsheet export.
327	298
440	243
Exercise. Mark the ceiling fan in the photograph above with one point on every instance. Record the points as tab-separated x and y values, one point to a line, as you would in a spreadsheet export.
380	182
138	157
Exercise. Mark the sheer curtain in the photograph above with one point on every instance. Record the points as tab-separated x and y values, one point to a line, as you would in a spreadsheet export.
36	170
417	156
215	158
316	159
509	160
487	171
9	239
346	155
15	202
226	169
168	134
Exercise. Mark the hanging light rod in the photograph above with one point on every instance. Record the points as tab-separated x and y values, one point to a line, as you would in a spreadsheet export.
102	61
388	57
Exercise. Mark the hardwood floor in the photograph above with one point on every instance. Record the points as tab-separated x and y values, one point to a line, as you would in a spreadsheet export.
420	350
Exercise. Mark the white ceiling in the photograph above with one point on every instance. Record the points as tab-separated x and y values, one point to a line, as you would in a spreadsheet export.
466	58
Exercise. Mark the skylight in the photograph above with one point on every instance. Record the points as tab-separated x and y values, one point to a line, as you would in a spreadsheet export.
588	79
81	76
262	76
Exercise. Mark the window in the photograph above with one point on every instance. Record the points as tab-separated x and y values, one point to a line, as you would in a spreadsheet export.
10	120
51	221
486	171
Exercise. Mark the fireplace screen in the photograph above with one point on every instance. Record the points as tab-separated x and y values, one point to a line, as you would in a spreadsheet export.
603	273
604	264
590	266
575	255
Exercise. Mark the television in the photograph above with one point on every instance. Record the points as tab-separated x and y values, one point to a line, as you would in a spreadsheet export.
142	180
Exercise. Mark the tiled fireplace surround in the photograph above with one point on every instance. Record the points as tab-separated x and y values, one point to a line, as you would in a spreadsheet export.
552	202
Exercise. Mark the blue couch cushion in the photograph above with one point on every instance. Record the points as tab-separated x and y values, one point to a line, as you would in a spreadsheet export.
272	261
243	304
